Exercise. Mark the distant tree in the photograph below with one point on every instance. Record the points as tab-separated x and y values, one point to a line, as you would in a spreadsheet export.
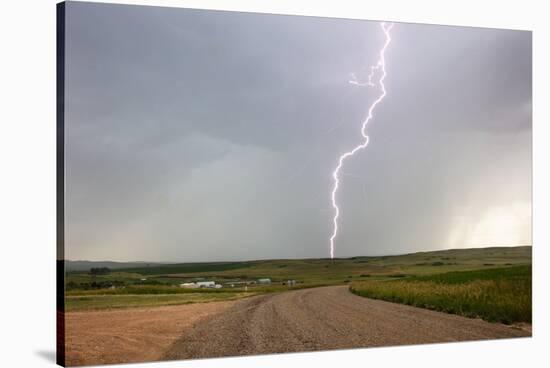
100	271
71	285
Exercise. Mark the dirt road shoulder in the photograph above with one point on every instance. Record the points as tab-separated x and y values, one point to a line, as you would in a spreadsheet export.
131	335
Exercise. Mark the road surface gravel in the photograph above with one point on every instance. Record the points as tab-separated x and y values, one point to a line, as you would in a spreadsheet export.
321	319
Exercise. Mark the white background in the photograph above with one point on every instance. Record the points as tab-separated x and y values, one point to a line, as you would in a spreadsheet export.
27	181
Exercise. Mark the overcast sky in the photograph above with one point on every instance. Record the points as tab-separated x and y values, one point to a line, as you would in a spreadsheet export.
201	135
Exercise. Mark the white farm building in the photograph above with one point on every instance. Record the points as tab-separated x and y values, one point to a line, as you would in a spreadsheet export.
206	284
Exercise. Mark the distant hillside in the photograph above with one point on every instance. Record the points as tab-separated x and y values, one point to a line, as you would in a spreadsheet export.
413	263
86	265
191	267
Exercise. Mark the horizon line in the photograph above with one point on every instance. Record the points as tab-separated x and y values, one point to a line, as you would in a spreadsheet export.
312	258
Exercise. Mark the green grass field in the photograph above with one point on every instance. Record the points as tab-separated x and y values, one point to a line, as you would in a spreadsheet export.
139	286
113	301
496	295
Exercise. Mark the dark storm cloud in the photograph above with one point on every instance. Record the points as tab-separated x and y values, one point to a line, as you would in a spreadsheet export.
201	135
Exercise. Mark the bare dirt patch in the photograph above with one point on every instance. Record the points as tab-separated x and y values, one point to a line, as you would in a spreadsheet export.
131	335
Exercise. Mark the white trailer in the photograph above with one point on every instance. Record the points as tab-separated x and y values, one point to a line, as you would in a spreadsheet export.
206	284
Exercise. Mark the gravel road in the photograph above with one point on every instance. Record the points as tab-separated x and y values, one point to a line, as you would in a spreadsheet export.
321	319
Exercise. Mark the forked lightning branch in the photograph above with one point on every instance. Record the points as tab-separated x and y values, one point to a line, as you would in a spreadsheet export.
378	69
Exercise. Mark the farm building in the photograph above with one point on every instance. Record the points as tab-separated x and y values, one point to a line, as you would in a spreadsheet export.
189	285
238	283
264	281
206	284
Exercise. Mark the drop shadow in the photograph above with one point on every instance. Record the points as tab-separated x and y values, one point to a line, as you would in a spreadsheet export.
48	355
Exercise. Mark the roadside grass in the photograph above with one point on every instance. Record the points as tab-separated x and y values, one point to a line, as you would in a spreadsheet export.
145	289
117	301
496	295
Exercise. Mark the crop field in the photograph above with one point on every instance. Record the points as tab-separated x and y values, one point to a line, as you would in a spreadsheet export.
158	284
496	295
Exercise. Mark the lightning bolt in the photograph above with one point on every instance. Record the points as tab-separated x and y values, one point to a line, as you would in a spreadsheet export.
381	68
